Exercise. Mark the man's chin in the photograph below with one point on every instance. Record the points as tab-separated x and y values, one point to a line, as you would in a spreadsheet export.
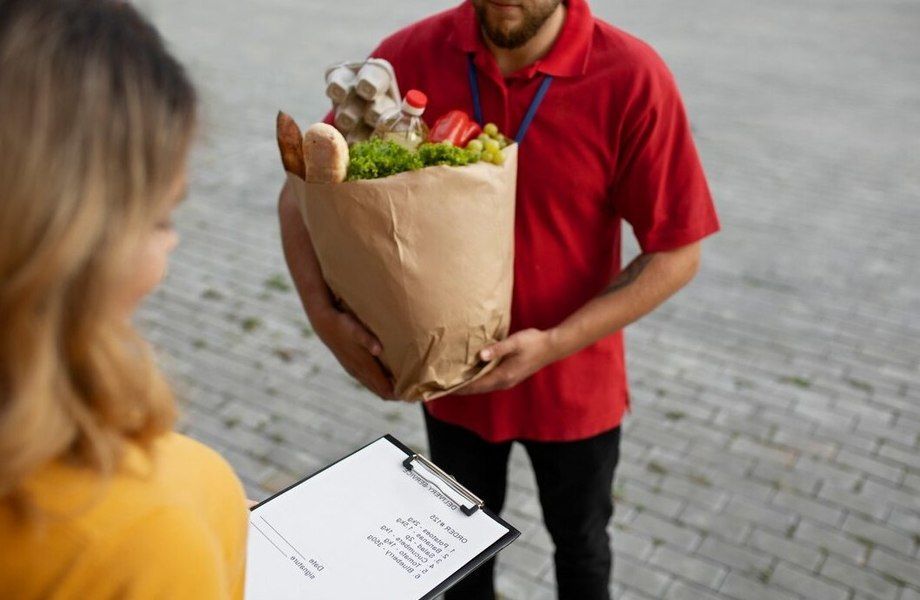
504	36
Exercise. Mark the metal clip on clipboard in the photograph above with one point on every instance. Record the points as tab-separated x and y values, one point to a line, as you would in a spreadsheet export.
475	502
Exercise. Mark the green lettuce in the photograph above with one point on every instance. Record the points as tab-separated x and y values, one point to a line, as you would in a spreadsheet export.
377	158
445	153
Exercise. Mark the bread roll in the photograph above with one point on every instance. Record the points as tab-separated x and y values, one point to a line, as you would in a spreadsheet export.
325	154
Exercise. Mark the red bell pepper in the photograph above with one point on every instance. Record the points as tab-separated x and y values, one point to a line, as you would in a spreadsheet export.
455	127
472	131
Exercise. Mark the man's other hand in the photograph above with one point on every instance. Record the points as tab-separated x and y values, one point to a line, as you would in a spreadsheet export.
521	355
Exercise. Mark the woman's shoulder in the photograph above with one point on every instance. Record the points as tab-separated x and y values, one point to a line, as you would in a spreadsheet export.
178	502
175	471
166	552
176	451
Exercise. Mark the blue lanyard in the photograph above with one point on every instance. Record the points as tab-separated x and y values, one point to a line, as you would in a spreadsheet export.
531	110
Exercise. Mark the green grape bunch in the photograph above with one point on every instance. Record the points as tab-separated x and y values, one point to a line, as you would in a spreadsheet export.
489	145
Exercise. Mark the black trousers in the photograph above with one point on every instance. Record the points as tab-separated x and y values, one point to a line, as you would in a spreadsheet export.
574	481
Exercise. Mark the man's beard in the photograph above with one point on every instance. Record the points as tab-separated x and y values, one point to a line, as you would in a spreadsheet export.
521	34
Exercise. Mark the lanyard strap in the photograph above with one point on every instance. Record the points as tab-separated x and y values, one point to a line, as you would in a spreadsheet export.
531	110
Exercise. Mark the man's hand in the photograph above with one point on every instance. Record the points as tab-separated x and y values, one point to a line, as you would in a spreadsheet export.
521	354
351	343
355	347
647	282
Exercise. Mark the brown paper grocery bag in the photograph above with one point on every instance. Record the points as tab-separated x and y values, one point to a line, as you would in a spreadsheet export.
425	260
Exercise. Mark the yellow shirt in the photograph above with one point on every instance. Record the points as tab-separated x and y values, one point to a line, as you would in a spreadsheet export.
172	526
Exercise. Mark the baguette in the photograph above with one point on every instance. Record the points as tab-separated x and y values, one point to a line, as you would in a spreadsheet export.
290	143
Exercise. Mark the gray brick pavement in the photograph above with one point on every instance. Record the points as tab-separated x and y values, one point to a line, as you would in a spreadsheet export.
772	451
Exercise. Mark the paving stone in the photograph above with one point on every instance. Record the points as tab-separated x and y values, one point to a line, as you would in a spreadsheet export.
697	570
906	521
668	532
743	588
650	581
756	429
807	443
904	568
910	594
887	433
831	541
661	504
699	491
840	476
526	560
894	496
786	478
807	584
748	447
761	514
912	480
623	541
852	439
860	579
872	467
808	508
512	585
728	527
787	549
246	415
743	559
685	591
839	498
278	480
632	595
878	534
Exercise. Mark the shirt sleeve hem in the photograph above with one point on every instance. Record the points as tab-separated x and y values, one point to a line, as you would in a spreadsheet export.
675	239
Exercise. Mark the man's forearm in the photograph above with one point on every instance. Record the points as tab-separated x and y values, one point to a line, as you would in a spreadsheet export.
642	286
301	258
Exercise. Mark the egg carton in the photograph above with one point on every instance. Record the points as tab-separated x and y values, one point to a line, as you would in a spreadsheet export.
362	93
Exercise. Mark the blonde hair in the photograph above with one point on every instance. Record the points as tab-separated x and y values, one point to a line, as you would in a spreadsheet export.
95	122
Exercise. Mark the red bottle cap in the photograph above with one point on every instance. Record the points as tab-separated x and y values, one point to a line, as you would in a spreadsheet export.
416	99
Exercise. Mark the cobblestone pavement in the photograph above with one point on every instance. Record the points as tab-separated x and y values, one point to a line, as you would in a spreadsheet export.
773	448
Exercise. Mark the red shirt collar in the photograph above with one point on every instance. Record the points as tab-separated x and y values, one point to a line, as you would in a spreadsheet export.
567	58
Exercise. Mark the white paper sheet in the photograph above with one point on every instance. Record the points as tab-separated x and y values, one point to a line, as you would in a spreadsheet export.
364	528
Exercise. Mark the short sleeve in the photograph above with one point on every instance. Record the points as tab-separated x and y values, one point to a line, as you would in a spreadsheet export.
660	187
167	554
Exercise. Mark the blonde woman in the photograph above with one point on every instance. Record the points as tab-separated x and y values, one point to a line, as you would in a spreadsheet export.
98	497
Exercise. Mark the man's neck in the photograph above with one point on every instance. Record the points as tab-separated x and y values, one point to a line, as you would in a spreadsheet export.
514	59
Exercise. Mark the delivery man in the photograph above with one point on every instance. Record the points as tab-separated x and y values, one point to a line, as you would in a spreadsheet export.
603	138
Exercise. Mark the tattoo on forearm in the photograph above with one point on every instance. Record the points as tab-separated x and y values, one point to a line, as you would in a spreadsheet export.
629	274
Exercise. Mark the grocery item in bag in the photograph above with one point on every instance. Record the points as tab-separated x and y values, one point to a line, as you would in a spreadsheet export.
290	143
455	127
361	92
406	127
325	154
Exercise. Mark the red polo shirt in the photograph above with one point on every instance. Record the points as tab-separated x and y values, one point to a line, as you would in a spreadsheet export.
610	142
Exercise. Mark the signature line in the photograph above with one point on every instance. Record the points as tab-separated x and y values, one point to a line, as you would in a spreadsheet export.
283	553
283	538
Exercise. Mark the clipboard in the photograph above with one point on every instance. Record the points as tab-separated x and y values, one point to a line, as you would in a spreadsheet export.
447	517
